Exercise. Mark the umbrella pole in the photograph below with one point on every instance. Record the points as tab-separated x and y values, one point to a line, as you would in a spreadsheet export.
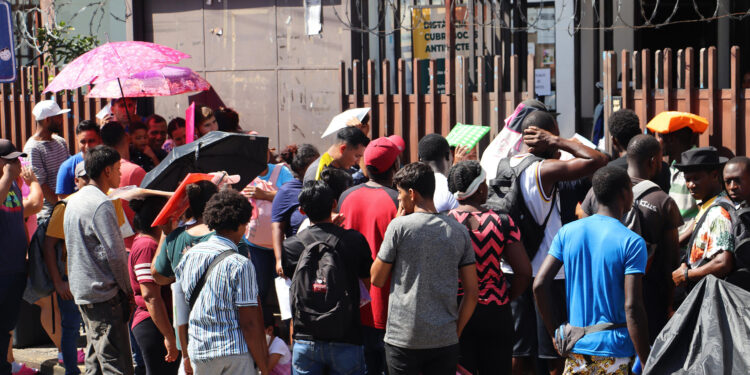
119	84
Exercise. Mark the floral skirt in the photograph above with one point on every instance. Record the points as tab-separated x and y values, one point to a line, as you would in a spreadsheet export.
594	365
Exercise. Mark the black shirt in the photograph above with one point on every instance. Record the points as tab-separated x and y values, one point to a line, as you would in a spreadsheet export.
663	179
355	253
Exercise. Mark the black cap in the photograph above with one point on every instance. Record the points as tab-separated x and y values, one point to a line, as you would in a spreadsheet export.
701	158
8	151
533	103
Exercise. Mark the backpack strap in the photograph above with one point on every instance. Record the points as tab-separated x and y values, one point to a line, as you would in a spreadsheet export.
275	174
699	223
307	239
202	281
642	188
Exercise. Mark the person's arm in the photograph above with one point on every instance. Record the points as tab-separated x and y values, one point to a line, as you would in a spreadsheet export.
107	232
34	202
670	244
720	266
273	360
516	257
543	292
48	253
380	272
10	173
251	324
635	314
182	331
277	237
685	236
160	258
470	284
586	161
151	293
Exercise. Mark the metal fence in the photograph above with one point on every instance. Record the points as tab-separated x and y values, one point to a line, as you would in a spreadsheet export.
660	81
414	114
19	97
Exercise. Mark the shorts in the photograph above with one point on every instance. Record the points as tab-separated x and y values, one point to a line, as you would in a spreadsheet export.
531	334
592	364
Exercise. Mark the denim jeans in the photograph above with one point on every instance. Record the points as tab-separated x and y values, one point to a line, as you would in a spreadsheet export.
322	357
70	320
11	291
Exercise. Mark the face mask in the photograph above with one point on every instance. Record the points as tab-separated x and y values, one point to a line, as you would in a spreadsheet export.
268	339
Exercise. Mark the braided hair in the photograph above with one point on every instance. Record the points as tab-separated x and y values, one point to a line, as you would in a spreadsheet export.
462	174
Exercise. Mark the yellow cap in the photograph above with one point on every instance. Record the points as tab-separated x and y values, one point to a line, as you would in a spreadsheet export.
671	121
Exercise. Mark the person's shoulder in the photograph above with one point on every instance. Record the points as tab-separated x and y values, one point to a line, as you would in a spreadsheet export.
59	140
176	233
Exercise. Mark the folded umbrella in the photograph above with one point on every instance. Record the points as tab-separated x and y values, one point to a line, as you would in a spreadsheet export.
237	154
167	81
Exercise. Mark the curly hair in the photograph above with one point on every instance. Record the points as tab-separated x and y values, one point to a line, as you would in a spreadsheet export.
288	153
227	210
623	126
463	174
418	176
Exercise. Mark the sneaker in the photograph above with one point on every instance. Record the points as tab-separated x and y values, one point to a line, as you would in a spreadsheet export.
25	370
81	356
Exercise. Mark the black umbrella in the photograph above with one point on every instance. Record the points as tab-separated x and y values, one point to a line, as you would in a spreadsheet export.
240	154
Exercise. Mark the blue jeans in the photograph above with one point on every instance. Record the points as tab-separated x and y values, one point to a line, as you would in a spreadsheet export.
321	357
70	320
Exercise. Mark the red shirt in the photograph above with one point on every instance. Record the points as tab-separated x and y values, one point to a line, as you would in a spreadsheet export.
369	210
130	174
139	268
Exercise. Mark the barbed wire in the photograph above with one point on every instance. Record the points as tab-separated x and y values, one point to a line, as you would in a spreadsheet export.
406	19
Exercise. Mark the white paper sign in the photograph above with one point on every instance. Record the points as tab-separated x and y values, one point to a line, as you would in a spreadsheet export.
313	13
282	293
542	82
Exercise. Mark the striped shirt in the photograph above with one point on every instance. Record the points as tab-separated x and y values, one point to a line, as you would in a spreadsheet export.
45	158
685	203
214	328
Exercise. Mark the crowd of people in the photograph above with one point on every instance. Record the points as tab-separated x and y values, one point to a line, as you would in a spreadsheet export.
433	267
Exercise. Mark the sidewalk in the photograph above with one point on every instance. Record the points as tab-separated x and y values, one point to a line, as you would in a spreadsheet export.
43	358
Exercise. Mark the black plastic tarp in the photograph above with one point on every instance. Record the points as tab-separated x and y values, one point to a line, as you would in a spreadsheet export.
708	334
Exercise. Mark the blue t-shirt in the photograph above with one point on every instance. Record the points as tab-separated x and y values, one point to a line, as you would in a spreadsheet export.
285	204
66	183
284	176
597	252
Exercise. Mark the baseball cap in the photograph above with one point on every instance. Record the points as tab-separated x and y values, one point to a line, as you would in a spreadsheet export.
671	121
47	108
80	169
382	152
8	151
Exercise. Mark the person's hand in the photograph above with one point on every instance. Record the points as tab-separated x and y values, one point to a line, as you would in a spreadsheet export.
63	290
538	138
463	153
257	193
401	210
12	169
338	219
279	269
172	351
28	175
554	345
150	153
187	366
678	275
131	303
354	121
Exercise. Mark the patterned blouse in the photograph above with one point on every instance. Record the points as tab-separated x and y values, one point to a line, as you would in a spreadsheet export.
489	240
714	235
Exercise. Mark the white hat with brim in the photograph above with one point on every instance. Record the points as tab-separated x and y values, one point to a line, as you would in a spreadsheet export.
47	108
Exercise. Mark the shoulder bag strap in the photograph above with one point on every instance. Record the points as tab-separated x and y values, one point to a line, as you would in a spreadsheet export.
602	327
552	206
642	188
202	280
275	174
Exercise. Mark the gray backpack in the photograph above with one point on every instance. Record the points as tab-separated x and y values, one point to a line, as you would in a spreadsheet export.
634	218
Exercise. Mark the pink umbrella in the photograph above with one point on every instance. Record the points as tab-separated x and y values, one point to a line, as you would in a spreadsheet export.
114	60
169	80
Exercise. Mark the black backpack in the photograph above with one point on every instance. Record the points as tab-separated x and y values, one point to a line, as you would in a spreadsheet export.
321	304
40	283
506	197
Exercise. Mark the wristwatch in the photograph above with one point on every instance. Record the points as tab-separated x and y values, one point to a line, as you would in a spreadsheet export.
686	274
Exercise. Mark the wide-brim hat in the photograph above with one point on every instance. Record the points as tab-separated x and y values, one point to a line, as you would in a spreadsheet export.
701	158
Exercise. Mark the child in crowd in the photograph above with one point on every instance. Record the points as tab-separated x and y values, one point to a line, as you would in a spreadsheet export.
140	152
279	356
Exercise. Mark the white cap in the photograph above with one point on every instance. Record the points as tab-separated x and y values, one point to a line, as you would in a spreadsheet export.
47	108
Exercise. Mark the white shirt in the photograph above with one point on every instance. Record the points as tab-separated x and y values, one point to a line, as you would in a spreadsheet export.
539	204
443	199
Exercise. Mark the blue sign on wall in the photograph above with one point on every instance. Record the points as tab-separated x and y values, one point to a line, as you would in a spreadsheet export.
7	49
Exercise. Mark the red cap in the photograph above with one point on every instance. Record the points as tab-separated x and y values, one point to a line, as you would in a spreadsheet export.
382	152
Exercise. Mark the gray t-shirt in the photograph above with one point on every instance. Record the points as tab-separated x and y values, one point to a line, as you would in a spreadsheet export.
45	158
97	259
426	251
